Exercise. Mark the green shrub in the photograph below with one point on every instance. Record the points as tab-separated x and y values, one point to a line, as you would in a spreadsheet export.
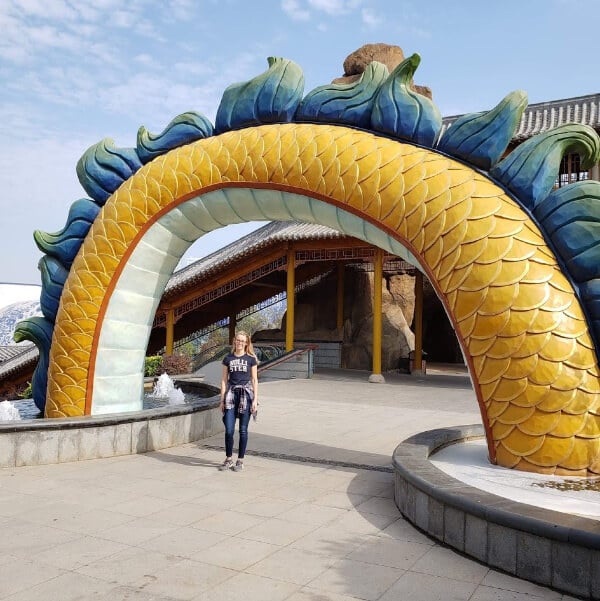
27	392
152	366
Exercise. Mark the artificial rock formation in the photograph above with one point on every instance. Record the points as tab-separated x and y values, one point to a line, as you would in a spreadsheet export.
315	318
391	56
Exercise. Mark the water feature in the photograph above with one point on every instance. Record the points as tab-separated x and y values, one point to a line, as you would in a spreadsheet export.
165	392
8	411
164	388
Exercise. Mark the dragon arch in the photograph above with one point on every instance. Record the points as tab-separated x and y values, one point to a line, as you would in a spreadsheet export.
515	263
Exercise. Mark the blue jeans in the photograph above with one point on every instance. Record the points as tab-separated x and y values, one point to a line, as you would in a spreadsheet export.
229	420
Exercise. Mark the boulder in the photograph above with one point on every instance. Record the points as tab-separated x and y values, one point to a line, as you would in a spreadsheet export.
391	56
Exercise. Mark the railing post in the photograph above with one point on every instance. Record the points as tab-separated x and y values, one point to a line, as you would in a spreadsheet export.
291	298
418	361
170	327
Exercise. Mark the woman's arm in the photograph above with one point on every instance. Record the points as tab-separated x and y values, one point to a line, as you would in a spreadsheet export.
224	378
254	377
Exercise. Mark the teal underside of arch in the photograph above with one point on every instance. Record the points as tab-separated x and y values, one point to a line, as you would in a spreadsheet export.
127	323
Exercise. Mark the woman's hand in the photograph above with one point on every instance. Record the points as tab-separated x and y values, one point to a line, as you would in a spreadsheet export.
222	405
254	407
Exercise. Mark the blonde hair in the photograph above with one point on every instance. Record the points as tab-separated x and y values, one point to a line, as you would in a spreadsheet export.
248	348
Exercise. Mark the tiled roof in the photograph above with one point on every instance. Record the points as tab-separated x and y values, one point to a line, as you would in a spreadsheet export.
543	116
27	355
269	234
8	352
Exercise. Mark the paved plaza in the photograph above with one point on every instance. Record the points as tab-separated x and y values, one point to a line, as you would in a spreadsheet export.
311	518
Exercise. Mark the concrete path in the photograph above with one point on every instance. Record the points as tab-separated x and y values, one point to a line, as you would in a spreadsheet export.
311	518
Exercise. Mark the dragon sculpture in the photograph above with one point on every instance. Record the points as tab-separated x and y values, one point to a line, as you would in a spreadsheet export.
515	262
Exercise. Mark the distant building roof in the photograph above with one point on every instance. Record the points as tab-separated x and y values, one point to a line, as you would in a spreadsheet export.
540	117
8	352
269	234
17	358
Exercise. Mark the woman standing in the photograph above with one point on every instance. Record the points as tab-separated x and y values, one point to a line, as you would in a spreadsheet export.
239	396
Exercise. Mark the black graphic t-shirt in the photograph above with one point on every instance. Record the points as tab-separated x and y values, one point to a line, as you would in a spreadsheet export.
239	368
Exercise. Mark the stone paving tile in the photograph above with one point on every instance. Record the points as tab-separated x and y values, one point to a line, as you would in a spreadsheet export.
132	566
227	498
423	587
278	532
22	574
128	593
91	496
236	553
310	594
295	492
79	552
7	558
228	522
365	581
93	521
14	504
184	542
389	552
379	506
24	539
328	540
266	506
292	565
329	480
487	593
29	481
357	522
136	531
184	514
249	587
369	486
341	500
402	529
66	587
135	508
444	562
311	513
186	580
499	580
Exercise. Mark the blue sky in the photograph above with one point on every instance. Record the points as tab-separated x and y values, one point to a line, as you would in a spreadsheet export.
75	71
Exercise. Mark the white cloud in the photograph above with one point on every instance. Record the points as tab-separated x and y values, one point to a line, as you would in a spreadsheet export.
335	7
123	18
301	10
59	10
180	9
144	59
195	68
293	10
370	19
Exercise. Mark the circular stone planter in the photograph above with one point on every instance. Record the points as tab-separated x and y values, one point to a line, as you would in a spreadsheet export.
551	548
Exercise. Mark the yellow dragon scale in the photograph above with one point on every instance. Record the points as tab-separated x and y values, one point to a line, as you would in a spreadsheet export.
517	318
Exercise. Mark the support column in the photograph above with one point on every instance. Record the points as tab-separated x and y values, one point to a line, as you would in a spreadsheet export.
339	322
377	376
417	368
291	299
170	315
232	326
